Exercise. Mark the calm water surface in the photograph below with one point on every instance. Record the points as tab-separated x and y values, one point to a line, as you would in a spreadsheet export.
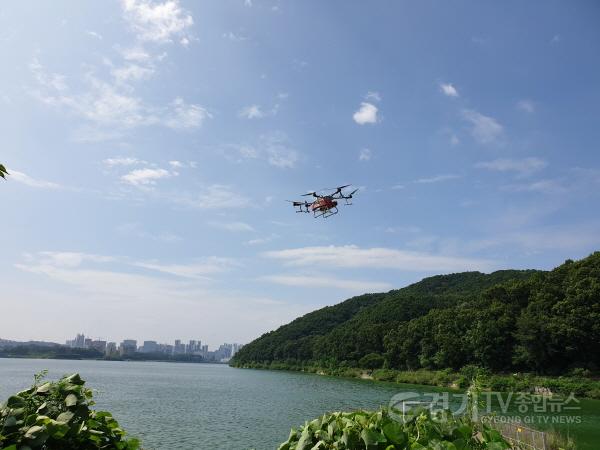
213	406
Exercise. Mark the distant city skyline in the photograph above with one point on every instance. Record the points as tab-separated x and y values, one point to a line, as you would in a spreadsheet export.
81	340
126	347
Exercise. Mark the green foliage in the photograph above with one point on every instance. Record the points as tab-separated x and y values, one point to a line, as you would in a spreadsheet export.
58	415
385	430
518	382
559	441
517	321
371	361
3	171
54	352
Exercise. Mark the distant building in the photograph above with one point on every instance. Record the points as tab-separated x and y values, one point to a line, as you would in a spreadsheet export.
79	341
166	349
98	345
178	348
194	347
127	347
223	353
111	349
236	348
149	347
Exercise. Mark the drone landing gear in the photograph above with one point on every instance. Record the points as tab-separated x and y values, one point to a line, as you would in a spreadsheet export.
327	213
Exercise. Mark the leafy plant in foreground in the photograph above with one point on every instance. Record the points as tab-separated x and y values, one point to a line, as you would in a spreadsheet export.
58	415
383	430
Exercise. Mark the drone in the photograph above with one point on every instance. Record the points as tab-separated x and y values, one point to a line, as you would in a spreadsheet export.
324	205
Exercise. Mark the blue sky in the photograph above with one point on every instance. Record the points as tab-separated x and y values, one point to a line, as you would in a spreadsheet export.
151	146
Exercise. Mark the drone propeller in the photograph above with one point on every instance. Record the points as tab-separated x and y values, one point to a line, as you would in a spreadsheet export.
314	194
338	189
352	193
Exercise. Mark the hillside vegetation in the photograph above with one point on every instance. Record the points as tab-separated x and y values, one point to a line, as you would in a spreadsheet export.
510	320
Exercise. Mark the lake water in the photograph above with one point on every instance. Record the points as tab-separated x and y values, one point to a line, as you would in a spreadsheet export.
213	406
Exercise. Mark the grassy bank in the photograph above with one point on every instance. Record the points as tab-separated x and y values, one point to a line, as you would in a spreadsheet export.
577	383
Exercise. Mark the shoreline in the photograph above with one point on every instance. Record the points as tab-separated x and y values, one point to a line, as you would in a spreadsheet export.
581	387
111	359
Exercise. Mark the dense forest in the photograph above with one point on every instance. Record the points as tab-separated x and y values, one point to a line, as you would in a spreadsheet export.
510	320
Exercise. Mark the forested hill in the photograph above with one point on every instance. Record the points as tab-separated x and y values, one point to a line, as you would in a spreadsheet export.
547	322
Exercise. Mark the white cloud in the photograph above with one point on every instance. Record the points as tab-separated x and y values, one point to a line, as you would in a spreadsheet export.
102	104
352	256
251	112
403	229
437	179
373	95
157	22
524	166
94	134
110	107
182	115
94	35
137	53
262	240
365	155
247	152
278	152
132	72
216	196
367	113
547	186
282	157
53	81
526	105
239	152
21	177
146	177
122	161
70	259
235	227
160	302
176	164
197	270
484	129
135	229
320	282
448	89
234	37
273	147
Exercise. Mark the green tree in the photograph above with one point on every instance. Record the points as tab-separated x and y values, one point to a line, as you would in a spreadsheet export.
543	322
3	171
